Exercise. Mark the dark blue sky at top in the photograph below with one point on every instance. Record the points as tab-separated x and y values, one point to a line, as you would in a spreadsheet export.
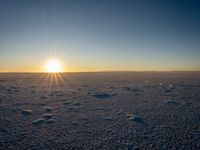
104	32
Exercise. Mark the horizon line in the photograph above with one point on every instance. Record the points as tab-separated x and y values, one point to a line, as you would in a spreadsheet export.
41	72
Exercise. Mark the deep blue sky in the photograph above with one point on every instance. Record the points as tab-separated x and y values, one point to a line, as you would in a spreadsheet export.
100	35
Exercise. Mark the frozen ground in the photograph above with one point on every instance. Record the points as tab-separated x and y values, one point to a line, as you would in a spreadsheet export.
100	111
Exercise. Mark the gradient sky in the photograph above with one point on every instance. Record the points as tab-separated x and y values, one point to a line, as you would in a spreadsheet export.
103	35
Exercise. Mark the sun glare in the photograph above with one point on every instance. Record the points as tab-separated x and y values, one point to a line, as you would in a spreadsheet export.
53	66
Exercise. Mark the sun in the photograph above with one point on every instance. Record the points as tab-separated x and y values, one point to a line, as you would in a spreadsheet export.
53	66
